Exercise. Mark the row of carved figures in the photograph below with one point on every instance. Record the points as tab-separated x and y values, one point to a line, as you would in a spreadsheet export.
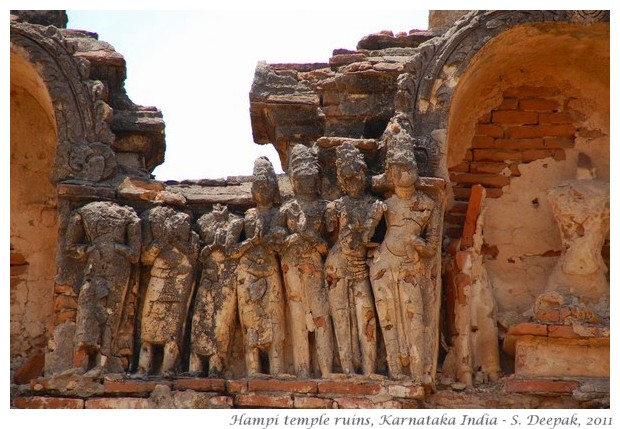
271	268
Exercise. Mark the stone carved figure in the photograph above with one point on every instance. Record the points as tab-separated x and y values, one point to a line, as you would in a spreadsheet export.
107	238
581	209
355	216
397	272
259	285
302	265
170	249
215	308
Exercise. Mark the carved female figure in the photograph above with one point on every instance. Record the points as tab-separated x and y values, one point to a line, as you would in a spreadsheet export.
397	270
107	237
355	216
171	249
302	264
259	285
215	308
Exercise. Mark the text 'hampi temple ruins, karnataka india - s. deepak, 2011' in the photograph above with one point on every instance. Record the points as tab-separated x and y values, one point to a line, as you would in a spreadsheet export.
440	237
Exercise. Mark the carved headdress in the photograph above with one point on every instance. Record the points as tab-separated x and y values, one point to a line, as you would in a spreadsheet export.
263	170
349	163
265	173
302	160
400	152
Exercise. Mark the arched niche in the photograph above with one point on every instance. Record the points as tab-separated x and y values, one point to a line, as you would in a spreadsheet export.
565	65
34	220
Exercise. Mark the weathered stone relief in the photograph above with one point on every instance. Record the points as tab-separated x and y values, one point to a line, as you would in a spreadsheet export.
260	292
581	209
106	238
354	217
170	249
215	308
398	271
302	265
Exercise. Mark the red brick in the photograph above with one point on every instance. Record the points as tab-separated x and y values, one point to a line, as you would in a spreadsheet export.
531	91
508	104
295	386
463	167
201	384
520	143
340	387
354	403
459	207
454	218
559	142
514	117
487	180
495	168
494	192
539	104
263	401
117	403
533	131
469	155
540	386
236	386
530	155
40	402
498	155
489	130
131	386
461	193
408	392
482	142
559	155
528	328
32	368
562	331
312	402
485	119
473	211
221	402
555	118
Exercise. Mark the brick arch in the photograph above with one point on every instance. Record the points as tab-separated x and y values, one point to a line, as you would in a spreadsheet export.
34	219
435	71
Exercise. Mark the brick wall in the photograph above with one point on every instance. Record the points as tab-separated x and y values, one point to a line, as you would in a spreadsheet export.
530	123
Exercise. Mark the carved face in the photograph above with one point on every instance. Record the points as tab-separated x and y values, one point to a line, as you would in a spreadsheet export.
305	183
352	180
402	175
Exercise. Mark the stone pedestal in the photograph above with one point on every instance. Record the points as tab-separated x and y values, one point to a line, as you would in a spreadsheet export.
545	350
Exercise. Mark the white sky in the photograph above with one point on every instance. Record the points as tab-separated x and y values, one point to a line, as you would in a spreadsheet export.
197	68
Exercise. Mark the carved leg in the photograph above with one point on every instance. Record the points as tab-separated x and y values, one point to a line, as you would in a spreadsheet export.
366	325
339	306
299	334
171	356
195	363
413	324
252	360
385	302
216	365
319	307
146	357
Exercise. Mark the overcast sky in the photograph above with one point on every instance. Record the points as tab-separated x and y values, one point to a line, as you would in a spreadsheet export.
198	66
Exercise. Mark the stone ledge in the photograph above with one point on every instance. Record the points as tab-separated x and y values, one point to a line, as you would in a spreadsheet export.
131	386
541	386
201	384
